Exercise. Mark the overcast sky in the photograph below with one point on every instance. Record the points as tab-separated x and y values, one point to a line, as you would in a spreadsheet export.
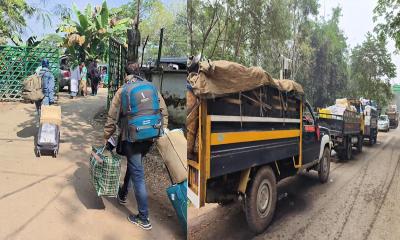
356	21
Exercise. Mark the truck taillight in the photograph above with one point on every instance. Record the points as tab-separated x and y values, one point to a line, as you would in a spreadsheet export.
318	132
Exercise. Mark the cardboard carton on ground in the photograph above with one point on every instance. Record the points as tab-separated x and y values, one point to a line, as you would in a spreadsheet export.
50	114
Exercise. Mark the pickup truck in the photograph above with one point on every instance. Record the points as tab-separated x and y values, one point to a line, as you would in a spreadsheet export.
346	130
393	119
246	147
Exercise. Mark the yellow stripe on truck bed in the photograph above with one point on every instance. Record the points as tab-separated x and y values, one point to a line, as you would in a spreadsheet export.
251	136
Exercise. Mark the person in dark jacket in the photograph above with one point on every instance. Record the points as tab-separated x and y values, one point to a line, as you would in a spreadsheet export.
133	151
48	84
94	77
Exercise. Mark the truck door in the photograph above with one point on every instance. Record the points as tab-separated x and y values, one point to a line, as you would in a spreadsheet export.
311	135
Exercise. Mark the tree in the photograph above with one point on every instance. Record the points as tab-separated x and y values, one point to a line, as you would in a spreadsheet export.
329	75
387	19
371	70
12	20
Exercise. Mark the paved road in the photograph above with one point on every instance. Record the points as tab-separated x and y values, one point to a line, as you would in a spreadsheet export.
360	201
52	198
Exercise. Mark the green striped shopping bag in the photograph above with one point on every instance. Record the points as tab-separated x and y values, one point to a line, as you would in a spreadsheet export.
105	171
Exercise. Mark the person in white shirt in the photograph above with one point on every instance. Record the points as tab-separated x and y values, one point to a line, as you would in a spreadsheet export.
75	77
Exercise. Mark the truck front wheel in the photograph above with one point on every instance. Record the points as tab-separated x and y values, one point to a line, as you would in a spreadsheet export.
261	200
324	166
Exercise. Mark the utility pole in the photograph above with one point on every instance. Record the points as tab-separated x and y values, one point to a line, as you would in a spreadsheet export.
134	38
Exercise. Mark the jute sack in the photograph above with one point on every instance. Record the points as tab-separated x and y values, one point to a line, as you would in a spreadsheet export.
172	147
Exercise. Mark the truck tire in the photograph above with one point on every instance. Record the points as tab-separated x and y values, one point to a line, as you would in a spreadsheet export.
324	165
349	149
346	152
261	200
360	144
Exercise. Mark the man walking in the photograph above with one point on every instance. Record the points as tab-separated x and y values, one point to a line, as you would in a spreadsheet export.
47	85
124	110
94	77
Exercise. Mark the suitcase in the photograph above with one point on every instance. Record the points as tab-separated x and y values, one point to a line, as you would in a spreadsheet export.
172	148
48	139
177	196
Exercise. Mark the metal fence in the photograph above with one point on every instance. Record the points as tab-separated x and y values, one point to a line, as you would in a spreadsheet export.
116	63
17	63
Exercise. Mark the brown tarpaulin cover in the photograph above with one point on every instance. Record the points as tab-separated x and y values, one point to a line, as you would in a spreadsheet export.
218	78
286	85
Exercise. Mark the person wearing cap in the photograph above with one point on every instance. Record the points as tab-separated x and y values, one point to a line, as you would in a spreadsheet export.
134	151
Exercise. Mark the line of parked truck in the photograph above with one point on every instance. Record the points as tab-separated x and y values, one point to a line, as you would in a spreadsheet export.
246	141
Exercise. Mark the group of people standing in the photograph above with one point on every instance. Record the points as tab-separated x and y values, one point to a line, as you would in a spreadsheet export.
79	79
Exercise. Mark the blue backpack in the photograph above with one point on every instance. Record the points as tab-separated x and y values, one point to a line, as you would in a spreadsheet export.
139	103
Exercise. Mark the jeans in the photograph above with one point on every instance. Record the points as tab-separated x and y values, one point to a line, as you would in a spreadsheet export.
48	98
95	84
135	174
38	105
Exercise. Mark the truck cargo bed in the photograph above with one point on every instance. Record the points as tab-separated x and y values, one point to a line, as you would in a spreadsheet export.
341	125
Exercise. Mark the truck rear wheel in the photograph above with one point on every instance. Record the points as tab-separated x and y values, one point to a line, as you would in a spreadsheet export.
349	149
360	144
346	152
324	166
261	200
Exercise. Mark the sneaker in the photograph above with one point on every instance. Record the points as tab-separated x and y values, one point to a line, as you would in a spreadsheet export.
143	223
122	199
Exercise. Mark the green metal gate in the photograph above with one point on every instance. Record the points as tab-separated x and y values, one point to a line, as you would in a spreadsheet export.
16	63
116	64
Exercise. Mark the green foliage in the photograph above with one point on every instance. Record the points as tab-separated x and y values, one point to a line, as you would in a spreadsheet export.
88	37
260	32
327	71
371	70
12	18
154	15
387	18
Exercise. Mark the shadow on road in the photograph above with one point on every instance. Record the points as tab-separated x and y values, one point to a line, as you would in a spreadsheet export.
29	131
84	189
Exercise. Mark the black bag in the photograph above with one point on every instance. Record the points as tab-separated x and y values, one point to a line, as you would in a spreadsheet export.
118	149
48	139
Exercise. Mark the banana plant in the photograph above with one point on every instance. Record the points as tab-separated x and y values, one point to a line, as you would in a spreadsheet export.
87	37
